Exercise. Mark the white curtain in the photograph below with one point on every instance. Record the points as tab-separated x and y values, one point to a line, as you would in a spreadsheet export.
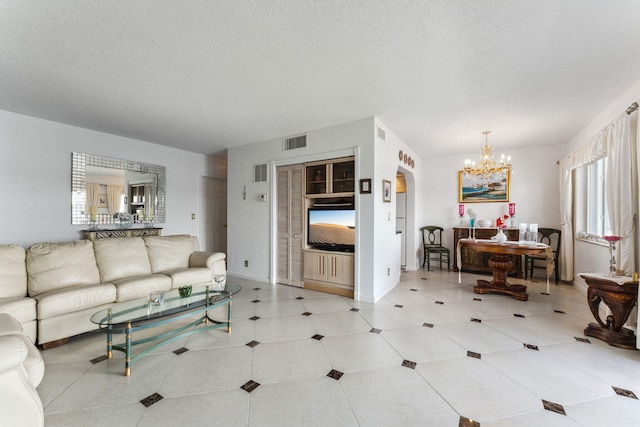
93	191
566	215
621	184
113	198
615	142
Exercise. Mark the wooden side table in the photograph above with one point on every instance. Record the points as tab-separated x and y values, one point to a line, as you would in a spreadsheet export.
620	296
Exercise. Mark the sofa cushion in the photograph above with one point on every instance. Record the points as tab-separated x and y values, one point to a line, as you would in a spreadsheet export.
13	273
52	266
121	258
23	308
169	252
137	287
72	299
189	276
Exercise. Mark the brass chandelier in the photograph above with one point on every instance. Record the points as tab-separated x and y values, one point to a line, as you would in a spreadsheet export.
487	167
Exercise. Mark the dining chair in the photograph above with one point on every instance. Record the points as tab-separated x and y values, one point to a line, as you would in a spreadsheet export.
551	237
432	246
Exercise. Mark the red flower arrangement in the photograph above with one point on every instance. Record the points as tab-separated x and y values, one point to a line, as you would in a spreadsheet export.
612	238
501	222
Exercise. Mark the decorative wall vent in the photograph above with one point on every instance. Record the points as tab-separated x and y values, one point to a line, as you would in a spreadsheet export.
295	142
381	133
260	173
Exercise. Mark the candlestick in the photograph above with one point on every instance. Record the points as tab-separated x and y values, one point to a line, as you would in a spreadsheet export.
461	212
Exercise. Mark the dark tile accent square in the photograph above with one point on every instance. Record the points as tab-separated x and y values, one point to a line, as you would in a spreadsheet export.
336	375
531	347
625	393
317	337
254	318
439	302
181	350
375	331
300	298
467	422
413	290
256	300
477	299
150	400
250	385
398	306
256	289
428	325
355	309
518	315
423	278
583	340
99	359
559	311
306	313
473	319
253	343
553	407
474	354
544	293
409	364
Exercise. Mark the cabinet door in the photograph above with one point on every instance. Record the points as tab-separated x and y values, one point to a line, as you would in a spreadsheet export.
315	267
342	177
340	269
316	179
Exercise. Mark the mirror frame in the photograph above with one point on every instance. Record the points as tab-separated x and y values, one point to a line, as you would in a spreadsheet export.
79	163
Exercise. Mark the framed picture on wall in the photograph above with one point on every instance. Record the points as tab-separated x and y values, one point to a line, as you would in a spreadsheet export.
102	201
475	189
386	191
365	186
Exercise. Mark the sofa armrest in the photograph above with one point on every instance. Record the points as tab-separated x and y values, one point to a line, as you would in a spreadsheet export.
13	352
213	260
9	325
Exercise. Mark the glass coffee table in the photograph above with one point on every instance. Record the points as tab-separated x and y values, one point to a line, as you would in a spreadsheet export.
160	309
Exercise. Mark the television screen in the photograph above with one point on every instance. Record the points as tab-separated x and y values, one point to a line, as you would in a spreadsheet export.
332	229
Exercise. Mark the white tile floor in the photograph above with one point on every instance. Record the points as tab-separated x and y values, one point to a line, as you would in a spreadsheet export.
413	369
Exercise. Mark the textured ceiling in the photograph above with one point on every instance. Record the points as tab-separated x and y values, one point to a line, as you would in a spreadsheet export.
207	75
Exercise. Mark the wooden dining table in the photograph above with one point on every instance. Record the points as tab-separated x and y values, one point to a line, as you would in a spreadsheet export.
500	263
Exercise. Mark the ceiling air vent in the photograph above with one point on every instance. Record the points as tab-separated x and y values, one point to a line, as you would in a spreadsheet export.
381	133
260	173
295	142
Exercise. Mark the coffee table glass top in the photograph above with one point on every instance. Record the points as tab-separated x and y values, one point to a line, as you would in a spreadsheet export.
141	310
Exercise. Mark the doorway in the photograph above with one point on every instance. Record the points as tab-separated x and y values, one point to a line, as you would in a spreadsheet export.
213	216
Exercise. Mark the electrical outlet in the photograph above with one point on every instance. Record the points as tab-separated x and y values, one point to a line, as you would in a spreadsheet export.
388	272
193	216
246	263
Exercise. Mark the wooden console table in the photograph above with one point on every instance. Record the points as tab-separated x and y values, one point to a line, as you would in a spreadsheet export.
500	262
620	295
474	261
120	232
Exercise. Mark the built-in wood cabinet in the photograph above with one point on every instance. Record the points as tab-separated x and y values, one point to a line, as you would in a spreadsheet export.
330	177
476	262
329	271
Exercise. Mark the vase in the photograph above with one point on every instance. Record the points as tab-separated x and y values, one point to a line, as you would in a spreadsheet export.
500	237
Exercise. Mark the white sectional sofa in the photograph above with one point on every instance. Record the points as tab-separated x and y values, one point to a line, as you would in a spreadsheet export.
21	370
13	289
68	282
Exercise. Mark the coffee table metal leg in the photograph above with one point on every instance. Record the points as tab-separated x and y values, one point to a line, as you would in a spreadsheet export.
109	336
229	316
127	360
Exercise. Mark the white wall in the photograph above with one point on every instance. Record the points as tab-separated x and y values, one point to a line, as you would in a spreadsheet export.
534	190
386	268
251	222
35	172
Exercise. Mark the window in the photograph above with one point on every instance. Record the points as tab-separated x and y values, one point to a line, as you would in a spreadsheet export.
592	216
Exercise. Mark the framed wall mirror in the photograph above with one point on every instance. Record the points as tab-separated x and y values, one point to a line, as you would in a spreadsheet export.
103	187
